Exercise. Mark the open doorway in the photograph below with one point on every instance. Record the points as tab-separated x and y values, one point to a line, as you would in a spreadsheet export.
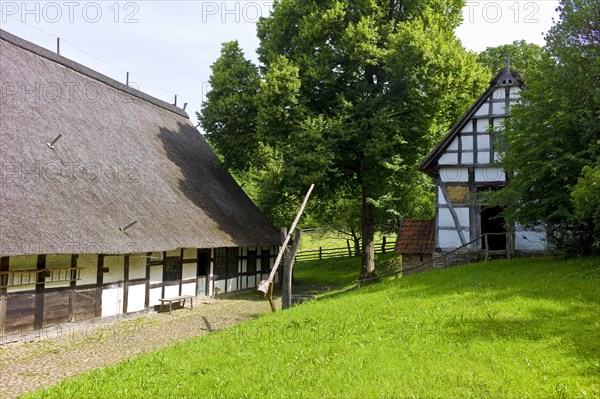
492	222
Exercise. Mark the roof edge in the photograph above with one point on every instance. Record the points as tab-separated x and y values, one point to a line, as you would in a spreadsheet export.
79	68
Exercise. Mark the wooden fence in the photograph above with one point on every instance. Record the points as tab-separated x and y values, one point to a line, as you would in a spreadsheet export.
385	246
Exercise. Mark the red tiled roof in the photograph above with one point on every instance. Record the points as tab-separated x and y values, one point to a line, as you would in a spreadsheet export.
416	237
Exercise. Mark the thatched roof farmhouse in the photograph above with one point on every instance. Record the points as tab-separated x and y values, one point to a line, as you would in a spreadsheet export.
110	199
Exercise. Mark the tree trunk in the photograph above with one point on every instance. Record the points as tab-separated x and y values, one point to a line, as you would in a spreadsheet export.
288	266
368	239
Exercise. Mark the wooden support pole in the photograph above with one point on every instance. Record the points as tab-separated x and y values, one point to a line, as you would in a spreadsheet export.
288	267
263	286
383	246
270	297
320	253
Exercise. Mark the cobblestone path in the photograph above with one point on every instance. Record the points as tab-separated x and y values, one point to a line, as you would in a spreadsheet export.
76	348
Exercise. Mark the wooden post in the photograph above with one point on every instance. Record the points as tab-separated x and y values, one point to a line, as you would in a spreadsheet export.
383	246
349	249
487	247
270	297
320	253
3	295
288	266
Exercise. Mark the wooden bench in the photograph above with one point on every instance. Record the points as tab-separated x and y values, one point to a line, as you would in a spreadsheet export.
181	298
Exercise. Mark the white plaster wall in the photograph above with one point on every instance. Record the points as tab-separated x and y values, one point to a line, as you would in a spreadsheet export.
448	239
499	94
171	291
112	301
483	110
89	273
58	262
136	297
174	253
219	284
467	158
190	253
498	108
489	174
22	262
188	289
116	269
483	125
454	175
483	157
445	217
137	266
468	128
483	142
448	159
232	284
155	295
530	239
252	281
453	145
467	142
156	274
189	270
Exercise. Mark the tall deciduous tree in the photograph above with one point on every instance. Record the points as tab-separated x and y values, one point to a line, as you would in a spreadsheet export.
355	93
523	56
554	135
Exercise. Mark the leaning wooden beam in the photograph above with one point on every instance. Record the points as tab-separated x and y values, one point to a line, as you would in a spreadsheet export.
263	287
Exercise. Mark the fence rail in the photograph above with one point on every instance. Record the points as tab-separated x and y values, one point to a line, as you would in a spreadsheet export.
382	247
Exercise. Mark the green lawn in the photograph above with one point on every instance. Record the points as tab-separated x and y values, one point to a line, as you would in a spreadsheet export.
504	329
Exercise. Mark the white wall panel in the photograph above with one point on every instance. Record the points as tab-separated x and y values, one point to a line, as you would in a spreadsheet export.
171	291
483	157
155	295
189	270
174	253
453	145
498	108
454	175
89	273
112	301
489	174
188	289
136	297
530	239
190	253
156	274
220	284
232	284
483	110
137	266
201	287
467	158
467	142
448	239
468	128
499	94
448	159
483	142
116	269
483	125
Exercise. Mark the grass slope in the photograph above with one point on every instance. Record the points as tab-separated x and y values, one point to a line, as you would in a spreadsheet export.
519	329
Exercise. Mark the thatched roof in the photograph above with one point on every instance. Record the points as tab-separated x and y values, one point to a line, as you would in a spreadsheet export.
123	156
416	237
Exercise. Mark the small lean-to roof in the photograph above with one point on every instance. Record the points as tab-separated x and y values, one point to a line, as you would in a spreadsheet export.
505	77
123	156
416	237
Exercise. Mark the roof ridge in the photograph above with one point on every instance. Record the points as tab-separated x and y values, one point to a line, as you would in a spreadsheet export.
82	69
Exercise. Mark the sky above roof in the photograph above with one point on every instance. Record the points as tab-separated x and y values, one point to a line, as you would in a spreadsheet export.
168	46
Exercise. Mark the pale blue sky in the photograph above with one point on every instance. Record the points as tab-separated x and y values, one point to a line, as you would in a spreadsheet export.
168	46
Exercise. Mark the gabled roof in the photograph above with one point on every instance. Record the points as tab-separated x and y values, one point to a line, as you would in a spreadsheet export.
506	77
416	237
123	157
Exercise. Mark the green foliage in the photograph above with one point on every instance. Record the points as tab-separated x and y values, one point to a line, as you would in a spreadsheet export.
229	113
555	133
505	329
523	57
353	95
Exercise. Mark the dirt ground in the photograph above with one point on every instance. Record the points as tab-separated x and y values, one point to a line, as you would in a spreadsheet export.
44	358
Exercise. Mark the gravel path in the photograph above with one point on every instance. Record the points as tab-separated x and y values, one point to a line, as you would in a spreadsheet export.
76	348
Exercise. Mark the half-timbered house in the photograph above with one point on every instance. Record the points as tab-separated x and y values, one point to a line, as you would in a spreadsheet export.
465	164
110	199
